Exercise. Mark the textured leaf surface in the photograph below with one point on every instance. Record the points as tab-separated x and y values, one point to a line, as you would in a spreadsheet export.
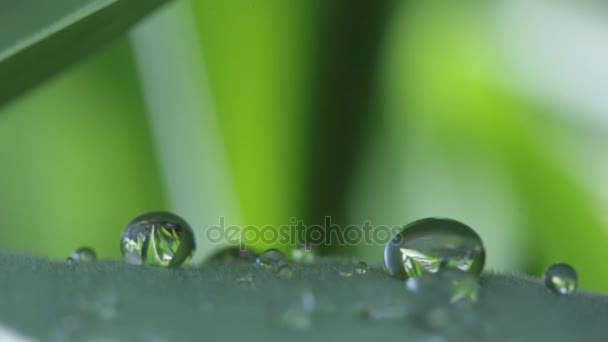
39	38
109	300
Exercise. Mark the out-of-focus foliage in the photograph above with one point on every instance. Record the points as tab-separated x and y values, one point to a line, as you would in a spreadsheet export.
39	38
460	143
259	59
77	159
457	129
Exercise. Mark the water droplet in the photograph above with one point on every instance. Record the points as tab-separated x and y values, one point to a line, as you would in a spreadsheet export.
432	244
271	259
82	254
233	253
361	268
451	285
158	238
561	278
285	271
304	253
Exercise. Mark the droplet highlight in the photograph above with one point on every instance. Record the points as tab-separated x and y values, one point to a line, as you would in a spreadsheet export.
361	268
82	254
271	259
433	244
561	278
158	238
304	253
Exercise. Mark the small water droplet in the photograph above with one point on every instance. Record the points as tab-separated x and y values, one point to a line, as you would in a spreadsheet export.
561	278
271	259
233	253
158	238
361	268
304	254
433	244
450	285
285	271
82	254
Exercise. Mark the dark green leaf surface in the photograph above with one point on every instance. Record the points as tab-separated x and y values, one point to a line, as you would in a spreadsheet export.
39	38
108	300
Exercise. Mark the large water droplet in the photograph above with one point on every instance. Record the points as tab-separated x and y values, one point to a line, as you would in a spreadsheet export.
451	285
233	253
433	244
159	238
304	253
561	278
361	268
271	259
82	254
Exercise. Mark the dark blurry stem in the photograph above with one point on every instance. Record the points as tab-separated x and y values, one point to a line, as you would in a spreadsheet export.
350	39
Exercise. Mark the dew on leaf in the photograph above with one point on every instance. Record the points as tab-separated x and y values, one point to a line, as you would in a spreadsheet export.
158	238
82	254
561	278
361	268
271	259
433	244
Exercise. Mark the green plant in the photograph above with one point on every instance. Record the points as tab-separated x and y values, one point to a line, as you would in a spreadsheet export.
112	301
40	38
51	300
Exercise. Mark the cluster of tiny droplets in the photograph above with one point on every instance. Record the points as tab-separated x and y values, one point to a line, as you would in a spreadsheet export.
422	252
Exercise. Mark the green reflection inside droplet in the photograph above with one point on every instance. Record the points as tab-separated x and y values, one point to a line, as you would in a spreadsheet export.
433	244
158	238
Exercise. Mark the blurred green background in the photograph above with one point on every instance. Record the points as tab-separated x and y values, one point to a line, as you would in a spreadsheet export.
492	113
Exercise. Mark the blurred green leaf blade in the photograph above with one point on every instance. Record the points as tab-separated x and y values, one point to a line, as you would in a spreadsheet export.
40	38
